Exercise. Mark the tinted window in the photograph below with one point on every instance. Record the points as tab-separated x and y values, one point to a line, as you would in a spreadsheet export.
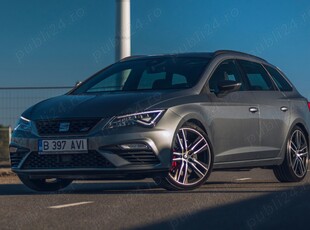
114	82
178	79
281	82
227	70
258	79
158	80
148	79
146	74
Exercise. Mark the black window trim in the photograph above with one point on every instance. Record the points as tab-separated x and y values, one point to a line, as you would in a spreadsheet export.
243	75
284	77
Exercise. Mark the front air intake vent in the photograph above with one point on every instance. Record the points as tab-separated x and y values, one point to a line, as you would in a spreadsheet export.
66	161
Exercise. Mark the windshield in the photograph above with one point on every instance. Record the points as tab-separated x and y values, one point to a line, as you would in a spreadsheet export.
146	74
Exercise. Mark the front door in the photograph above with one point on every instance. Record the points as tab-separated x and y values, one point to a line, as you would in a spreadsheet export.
233	118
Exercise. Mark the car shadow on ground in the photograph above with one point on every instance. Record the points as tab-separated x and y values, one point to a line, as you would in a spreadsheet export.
284	209
125	187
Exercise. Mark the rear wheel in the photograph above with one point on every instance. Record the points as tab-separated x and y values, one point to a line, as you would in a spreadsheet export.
295	165
45	185
192	160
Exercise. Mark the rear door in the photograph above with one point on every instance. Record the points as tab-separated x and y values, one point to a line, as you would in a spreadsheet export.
274	108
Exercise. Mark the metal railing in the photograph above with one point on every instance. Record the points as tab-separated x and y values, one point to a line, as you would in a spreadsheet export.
15	100
5	137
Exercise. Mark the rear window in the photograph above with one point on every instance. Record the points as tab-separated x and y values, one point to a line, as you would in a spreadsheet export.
280	81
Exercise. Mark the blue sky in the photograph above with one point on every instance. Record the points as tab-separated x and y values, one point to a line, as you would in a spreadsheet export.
56	43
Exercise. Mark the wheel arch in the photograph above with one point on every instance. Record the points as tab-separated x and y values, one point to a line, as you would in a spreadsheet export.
284	171
302	125
199	124
196	119
303	128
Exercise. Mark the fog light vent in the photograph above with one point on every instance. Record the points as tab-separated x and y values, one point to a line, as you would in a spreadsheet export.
134	146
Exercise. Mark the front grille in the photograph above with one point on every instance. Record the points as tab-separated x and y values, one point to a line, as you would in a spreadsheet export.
16	158
139	157
53	127
66	161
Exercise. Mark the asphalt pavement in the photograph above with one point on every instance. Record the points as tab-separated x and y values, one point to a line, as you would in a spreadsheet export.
229	200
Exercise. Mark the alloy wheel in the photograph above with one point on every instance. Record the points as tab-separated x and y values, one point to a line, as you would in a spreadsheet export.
298	153
191	157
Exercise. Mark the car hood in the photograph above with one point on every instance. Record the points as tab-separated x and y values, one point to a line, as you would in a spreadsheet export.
97	106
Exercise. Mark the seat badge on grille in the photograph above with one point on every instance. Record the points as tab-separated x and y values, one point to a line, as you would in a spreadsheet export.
64	127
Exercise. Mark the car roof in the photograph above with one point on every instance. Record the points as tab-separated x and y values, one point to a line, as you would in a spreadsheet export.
199	54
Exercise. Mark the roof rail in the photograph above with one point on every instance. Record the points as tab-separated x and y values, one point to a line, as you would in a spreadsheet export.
218	52
132	57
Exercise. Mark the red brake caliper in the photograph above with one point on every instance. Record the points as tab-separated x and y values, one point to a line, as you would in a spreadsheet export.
174	164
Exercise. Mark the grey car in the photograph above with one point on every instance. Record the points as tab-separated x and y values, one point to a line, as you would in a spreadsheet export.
174	118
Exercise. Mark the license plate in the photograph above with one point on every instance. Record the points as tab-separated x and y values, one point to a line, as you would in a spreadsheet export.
63	146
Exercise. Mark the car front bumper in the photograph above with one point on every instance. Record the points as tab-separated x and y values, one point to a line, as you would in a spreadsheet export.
105	158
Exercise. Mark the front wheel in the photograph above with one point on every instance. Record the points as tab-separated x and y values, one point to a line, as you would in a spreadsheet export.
295	165
44	185
192	160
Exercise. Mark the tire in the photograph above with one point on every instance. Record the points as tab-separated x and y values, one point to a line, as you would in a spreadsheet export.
295	165
44	185
192	160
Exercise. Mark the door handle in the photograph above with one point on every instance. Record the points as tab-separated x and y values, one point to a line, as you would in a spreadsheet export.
284	109
253	110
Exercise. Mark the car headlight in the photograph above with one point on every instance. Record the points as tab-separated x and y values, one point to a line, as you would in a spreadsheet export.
148	119
23	124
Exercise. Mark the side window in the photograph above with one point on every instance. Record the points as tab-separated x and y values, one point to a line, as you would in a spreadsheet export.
257	77
280	81
227	70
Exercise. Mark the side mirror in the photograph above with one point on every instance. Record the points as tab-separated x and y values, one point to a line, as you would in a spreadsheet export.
228	86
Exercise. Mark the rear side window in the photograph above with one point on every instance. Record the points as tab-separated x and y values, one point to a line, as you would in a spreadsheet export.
258	79
280	81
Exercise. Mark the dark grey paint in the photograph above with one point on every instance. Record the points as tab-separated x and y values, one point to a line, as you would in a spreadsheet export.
240	138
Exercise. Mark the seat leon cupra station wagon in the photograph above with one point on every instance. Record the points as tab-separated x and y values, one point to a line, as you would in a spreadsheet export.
174	118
